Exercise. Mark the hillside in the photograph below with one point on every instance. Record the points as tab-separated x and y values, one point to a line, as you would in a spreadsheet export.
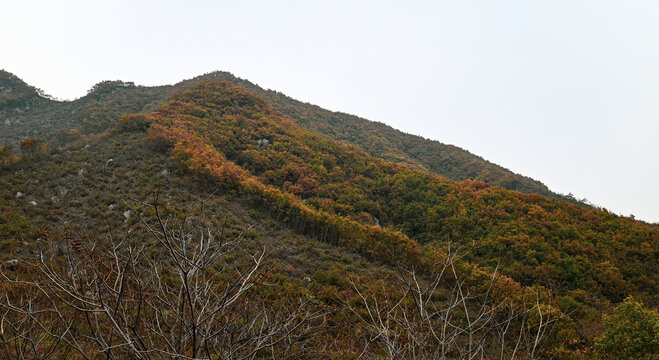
91	192
387	143
94	191
106	101
234	137
78	198
36	115
340	227
14	92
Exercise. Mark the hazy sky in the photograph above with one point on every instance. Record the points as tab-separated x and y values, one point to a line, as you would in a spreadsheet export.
566	92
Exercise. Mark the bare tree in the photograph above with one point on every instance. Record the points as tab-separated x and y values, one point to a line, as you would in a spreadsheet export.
437	315
178	295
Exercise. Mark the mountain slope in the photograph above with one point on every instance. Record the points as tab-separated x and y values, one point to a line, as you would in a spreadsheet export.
222	132
97	190
387	143
39	116
84	196
331	213
97	111
15	92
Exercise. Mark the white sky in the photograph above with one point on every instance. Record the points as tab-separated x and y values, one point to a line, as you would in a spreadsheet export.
566	92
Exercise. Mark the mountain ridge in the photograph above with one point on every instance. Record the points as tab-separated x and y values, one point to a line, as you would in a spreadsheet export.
108	100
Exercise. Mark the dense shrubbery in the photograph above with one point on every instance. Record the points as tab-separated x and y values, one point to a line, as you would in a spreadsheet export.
108	100
197	156
632	332
81	191
132	122
227	136
215	130
184	291
31	149
6	155
224	136
387	143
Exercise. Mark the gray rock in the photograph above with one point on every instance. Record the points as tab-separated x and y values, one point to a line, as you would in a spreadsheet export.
263	142
11	264
375	220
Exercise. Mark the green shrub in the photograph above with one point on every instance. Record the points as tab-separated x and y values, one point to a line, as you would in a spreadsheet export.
632	332
132	122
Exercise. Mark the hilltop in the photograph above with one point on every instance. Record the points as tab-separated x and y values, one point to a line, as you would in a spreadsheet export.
105	102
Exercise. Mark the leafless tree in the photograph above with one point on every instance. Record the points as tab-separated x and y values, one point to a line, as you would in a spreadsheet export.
437	315
183	293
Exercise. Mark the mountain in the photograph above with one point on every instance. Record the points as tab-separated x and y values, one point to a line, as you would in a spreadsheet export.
27	112
221	132
14	92
385	142
107	100
362	240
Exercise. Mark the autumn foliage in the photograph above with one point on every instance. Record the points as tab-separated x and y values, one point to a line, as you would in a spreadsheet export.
33	148
230	138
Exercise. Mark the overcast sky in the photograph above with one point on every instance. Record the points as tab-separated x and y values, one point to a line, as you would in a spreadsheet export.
566	92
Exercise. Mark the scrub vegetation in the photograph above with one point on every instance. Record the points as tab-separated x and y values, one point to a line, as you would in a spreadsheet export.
216	224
